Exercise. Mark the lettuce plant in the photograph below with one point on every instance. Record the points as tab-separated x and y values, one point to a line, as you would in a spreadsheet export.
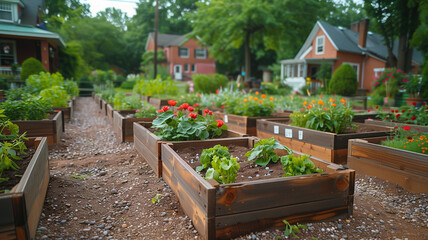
295	166
263	151
208	155
224	170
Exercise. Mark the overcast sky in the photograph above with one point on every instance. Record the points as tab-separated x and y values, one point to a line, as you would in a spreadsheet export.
127	6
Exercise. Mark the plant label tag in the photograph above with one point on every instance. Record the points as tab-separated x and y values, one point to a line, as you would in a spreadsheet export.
275	129
288	133
226	120
300	135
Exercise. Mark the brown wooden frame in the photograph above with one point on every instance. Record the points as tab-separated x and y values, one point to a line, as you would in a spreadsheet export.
148	145
224	211
67	112
324	145
21	208
158	103
413	127
405	168
124	127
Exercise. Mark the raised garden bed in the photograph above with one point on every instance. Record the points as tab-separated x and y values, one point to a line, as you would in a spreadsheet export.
51	128
158	103
148	145
327	146
224	211
405	168
413	127
110	109
244	124
145	98
103	106
21	207
361	117
67	112
123	125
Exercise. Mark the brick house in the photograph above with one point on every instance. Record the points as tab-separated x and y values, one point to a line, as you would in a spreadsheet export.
23	35
327	44
184	57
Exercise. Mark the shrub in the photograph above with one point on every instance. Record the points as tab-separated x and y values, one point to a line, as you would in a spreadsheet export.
275	88
44	80
71	88
31	66
209	83
123	102
56	96
128	84
156	87
27	109
344	81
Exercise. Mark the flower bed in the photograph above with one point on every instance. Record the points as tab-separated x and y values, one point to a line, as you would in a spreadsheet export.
325	145
123	125
21	207
405	168
413	127
223	211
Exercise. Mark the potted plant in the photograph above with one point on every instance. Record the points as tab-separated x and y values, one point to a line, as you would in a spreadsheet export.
413	88
182	125
321	129
401	158
387	85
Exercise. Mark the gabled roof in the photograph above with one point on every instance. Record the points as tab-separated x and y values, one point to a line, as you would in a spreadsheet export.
29	31
346	40
166	40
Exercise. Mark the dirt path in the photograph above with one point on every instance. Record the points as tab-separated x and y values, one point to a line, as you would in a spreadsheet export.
101	189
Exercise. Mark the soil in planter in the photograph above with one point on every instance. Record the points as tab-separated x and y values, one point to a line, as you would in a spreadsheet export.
247	171
15	175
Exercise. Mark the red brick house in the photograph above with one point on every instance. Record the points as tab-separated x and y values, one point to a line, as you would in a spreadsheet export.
184	57
23	35
363	50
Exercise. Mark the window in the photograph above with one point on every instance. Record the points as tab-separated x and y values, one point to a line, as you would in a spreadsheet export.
200	53
183	52
6	13
378	71
356	68
319	48
186	67
193	68
7	53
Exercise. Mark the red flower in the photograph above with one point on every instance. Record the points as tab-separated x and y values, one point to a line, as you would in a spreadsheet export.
392	111
166	108
179	108
395	127
219	123
210	113
368	110
206	110
172	102
199	95
377	107
403	110
407	128
184	105
413	118
196	105
217	91
414	103
396	111
193	115
160	111
423	104
191	109
398	115
222	107
409	138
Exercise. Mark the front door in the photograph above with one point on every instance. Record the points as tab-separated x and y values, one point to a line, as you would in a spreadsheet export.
177	72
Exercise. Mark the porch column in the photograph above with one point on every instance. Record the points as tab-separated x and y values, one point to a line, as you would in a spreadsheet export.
44	48
282	72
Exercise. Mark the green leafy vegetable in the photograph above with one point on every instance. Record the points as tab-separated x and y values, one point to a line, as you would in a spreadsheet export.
263	151
208	155
224	170
295	166
293	229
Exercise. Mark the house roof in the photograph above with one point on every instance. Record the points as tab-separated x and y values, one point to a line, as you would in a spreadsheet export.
347	40
166	40
15	1
29	31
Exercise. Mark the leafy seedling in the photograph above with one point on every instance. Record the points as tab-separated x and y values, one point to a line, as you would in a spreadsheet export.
295	166
208	155
80	176
157	198
263	151
293	229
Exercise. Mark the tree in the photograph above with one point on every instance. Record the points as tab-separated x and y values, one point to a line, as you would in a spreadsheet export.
116	17
31	66
345	12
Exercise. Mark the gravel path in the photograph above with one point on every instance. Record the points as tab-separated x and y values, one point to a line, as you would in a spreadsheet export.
102	189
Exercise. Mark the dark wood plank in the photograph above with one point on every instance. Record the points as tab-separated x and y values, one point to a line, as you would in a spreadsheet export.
8	232
393	124
148	156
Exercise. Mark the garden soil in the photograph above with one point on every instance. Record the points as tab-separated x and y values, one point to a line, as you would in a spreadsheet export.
102	189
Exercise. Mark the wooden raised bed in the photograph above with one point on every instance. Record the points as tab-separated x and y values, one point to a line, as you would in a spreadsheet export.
148	145
244	124
21	207
124	126
158	103
413	127
51	128
327	146
103	106
110	109
228	210
67	112
405	168
145	98
362	117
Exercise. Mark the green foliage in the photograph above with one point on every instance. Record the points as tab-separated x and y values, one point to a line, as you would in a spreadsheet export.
32	108
71	64
186	125
123	102
292	229
157	198
405	139
327	117
4	85
387	84
276	88
253	106
406	114
71	88
208	154
56	96
128	84
156	87
344	81
149	56
224	170
295	166
263	151
42	81
11	145
146	110
209	83
31	66
18	94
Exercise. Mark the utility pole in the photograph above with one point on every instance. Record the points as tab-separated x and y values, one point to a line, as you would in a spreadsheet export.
155	60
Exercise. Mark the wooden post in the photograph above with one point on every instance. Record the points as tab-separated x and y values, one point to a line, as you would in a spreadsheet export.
44	48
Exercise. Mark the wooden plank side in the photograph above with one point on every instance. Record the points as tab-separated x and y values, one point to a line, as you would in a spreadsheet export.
393	124
396	158
34	185
118	125
128	127
148	156
230	226
410	181
59	126
8	232
251	196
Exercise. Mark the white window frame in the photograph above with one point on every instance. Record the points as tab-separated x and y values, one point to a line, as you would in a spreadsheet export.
378	71
193	67
358	68
12	44
186	67
317	45
204	53
183	56
13	11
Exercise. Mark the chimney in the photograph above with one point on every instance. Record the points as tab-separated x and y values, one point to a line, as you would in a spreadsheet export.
361	27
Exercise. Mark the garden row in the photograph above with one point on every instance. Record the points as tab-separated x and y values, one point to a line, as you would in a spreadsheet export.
32	118
176	138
